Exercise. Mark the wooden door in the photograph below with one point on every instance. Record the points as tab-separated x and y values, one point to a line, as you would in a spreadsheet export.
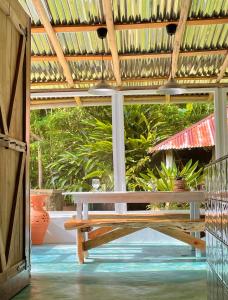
14	141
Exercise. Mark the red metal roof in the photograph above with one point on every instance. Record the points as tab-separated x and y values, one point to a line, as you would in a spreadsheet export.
200	134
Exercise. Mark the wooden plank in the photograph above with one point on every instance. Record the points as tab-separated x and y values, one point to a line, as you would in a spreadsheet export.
107	6
80	246
130	26
130	56
223	68
17	73
97	232
18	184
183	237
108	237
139	79
53	39
2	253
173	221
185	6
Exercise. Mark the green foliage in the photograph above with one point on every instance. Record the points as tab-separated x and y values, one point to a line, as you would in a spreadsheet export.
77	142
162	178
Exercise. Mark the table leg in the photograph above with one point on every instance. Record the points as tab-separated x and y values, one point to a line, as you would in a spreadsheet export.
195	215
85	217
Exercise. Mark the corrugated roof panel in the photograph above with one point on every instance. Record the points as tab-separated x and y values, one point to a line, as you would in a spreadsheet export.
82	43
129	11
205	37
67	11
199	65
200	134
208	8
91	70
143	40
158	67
46	71
40	45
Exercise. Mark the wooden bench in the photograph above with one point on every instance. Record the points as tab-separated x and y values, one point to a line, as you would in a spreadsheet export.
98	229
104	230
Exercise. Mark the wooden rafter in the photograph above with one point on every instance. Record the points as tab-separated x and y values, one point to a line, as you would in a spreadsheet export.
140	79
142	25
107	6
88	101
53	38
223	68
185	6
129	56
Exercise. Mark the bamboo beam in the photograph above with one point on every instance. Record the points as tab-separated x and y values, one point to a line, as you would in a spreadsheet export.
129	56
107	6
142	25
88	101
185	6
53	39
223	68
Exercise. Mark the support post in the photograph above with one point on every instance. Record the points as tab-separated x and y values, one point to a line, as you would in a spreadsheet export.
195	215
118	145
221	130
169	158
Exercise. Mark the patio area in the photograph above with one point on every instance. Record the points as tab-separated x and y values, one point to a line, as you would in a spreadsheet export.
117	271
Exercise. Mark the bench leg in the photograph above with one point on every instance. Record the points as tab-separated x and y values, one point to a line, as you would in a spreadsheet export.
80	246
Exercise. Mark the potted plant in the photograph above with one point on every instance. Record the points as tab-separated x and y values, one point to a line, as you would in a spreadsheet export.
180	184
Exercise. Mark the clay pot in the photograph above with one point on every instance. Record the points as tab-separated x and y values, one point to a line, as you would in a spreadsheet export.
180	185
39	219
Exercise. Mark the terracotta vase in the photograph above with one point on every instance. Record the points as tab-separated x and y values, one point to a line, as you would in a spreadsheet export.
180	185
39	219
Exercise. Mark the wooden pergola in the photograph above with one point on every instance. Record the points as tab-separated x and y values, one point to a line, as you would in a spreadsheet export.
65	48
66	58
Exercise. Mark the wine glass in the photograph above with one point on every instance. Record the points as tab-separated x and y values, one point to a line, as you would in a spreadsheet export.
96	184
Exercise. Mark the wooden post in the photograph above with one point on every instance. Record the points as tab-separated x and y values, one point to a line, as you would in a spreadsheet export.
169	158
221	130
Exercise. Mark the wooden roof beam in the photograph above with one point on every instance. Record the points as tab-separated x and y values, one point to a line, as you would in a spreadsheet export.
127	100
142	25
223	68
107	6
129	56
53	39
185	6
199	78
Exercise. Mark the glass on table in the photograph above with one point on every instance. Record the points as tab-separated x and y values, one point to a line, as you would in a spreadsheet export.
96	184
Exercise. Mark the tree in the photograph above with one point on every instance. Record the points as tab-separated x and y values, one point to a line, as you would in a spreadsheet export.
77	142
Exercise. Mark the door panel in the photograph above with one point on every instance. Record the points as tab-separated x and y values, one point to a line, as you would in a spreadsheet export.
14	150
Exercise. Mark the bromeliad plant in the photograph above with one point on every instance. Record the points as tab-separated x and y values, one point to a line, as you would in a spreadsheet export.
162	179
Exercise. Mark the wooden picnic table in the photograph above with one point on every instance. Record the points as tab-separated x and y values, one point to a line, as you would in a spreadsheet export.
109	228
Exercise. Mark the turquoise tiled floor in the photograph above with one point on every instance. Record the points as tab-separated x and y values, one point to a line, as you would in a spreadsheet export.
155	272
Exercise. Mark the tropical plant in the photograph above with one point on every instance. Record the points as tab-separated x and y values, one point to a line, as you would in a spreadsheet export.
162	179
77	142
